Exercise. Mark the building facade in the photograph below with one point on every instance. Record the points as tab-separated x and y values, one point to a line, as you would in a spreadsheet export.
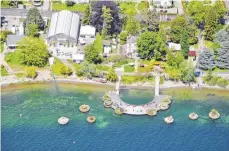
64	29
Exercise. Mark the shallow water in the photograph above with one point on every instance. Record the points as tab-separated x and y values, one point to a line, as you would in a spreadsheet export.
41	106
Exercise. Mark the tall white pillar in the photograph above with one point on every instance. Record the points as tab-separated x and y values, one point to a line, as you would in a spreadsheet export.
157	82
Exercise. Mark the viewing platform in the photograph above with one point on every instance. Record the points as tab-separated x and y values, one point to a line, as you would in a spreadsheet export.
160	102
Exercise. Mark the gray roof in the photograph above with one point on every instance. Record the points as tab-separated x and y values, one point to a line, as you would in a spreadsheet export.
12	40
64	22
131	39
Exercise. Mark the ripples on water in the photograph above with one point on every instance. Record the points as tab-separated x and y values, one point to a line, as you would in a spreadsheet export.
41	106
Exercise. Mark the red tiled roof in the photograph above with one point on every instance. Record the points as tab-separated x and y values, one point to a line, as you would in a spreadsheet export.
192	53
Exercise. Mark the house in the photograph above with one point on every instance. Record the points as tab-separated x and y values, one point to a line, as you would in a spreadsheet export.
131	46
87	34
174	46
64	29
191	55
77	1
163	3
12	41
68	53
106	47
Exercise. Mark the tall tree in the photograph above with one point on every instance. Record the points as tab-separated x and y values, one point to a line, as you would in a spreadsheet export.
220	9
206	60
107	21
223	56
112	76
161	47
92	55
33	52
97	17
196	10
31	30
87	16
210	24
184	44
34	17
150	20
146	44
132	26
174	59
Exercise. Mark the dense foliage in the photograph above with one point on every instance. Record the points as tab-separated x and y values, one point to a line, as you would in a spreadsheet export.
86	69
31	30
34	17
30	72
132	26
87	15
33	52
92	55
210	24
223	56
112	76
215	80
149	20
184	44
206	60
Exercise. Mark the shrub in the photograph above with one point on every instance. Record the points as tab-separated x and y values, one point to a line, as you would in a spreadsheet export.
129	68
30	72
65	70
222	82
112	76
213	81
3	71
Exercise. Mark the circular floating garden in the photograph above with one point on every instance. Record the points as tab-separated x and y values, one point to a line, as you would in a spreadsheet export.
169	120
106	97
63	120
119	111
107	103
91	119
214	114
193	116
151	112
84	108
164	106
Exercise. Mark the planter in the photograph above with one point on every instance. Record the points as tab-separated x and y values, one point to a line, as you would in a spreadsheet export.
84	108
91	119
119	111
107	103
63	120
193	116
169	120
164	106
214	114
151	112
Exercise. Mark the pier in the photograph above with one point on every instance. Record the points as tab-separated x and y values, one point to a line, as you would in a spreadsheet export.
133	109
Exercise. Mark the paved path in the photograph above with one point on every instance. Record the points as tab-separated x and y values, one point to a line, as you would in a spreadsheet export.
3	62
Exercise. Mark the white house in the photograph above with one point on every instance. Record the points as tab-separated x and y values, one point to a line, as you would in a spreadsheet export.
87	34
64	29
163	3
77	57
131	46
174	46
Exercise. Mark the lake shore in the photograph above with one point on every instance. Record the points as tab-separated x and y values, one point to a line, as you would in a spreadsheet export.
12	80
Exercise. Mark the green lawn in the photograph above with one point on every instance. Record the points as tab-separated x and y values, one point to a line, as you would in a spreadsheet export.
128	68
143	6
13	59
62	6
128	8
2	47
57	66
3	71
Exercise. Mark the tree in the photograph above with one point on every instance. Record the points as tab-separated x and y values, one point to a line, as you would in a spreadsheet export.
149	20
210	25
187	75
223	56
65	70
107	21
161	47
34	17
196	10
146	45
220	9
86	69
123	36
69	3
33	52
97	18
92	55
206	60
112	76
31	30
222	35
174	60
87	16
30	72
98	43
184	44
132	26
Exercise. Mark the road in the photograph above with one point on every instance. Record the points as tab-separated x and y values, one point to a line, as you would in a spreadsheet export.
23	12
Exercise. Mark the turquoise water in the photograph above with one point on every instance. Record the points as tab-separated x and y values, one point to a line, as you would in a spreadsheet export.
41	106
